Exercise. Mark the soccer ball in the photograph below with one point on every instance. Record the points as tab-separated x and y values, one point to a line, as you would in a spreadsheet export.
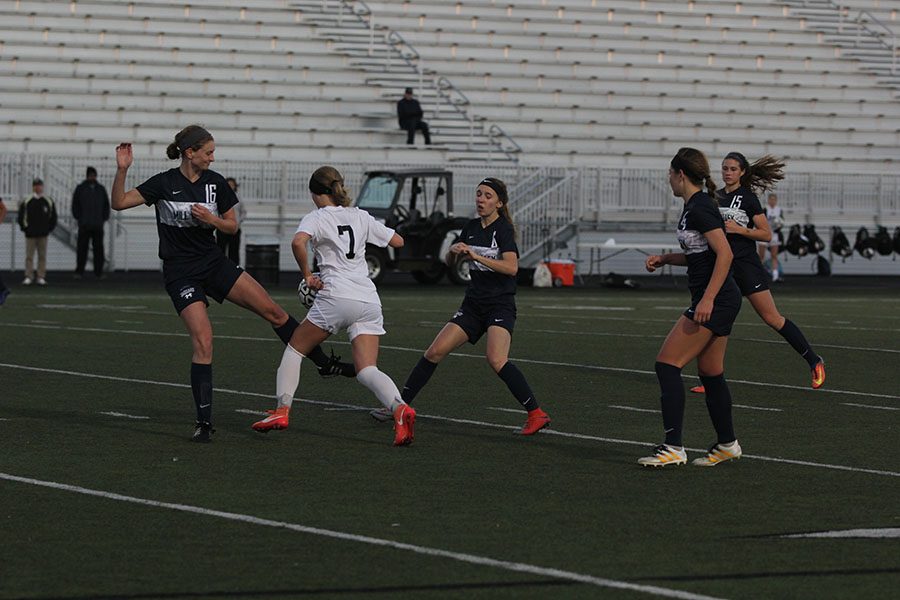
306	294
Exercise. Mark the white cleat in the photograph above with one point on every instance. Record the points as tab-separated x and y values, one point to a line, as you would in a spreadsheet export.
719	453
664	455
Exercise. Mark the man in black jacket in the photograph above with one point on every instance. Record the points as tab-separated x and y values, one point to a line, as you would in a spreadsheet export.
37	218
4	291
90	207
409	113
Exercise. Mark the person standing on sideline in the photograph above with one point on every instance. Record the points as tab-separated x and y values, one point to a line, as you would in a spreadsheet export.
346	299
702	331
37	218
746	223
489	306
775	217
90	207
230	244
190	201
4	291
409	114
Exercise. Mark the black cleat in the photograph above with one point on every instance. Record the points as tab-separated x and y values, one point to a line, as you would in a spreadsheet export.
203	432
335	368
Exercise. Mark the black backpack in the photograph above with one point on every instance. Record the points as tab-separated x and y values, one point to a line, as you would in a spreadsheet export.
796	243
883	242
840	245
823	267
897	240
813	240
865	244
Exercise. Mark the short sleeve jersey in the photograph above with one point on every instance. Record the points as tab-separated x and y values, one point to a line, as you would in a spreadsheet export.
339	236
182	238
700	215
740	206
490	242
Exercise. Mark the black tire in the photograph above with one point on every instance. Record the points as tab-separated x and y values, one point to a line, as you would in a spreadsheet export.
459	271
377	261
431	276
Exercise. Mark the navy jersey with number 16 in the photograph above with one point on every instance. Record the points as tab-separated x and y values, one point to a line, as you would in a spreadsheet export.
182	238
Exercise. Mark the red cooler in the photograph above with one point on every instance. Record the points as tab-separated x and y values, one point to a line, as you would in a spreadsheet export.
562	271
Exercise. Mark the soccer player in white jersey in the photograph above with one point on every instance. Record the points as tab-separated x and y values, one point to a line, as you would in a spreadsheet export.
346	299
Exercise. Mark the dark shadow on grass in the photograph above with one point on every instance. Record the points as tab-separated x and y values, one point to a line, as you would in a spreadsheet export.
408	589
771	574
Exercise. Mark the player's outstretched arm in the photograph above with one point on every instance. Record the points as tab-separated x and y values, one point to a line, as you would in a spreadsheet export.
121	199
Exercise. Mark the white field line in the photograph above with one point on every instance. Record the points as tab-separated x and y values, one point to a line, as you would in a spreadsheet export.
870	406
509	410
472	559
660	337
824	390
581	307
650	320
247	411
632	408
757	408
873	533
123	415
579	436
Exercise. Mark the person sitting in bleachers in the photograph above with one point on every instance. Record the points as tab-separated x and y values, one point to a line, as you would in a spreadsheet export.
409	114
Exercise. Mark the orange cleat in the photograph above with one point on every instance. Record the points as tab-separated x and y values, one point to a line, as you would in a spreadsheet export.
698	389
277	419
537	420
818	374
404	420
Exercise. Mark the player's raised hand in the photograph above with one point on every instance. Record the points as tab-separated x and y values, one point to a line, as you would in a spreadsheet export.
124	155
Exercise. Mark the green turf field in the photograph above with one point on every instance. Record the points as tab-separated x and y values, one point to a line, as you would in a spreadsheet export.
102	495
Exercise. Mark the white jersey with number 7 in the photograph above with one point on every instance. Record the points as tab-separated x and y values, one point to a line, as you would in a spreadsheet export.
339	235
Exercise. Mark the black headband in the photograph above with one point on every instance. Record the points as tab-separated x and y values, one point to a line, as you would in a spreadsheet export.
745	164
678	164
193	138
493	186
317	187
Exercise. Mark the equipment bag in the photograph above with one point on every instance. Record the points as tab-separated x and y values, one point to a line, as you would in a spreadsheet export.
823	267
840	245
864	244
814	242
883	242
796	243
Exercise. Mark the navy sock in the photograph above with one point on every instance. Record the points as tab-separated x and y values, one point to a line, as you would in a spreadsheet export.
318	356
798	342
417	379
201	386
515	381
718	403
284	332
672	399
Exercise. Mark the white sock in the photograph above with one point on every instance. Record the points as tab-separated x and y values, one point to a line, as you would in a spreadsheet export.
288	377
382	386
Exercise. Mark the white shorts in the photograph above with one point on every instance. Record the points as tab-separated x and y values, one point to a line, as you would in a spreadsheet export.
358	318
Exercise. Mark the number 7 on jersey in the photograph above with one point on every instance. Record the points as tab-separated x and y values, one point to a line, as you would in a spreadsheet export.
349	230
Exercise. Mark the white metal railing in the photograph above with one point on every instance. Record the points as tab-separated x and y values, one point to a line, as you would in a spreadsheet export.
545	201
542	219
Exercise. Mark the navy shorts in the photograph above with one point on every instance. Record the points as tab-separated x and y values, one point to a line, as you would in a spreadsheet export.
474	317
750	275
726	307
215	281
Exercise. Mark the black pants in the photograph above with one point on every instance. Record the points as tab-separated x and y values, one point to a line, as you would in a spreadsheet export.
94	235
411	132
230	245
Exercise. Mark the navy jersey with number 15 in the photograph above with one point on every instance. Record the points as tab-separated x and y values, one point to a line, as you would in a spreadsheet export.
741	206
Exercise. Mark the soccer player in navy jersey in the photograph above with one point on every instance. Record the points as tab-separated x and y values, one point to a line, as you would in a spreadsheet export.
489	306
191	201
746	224
702	331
